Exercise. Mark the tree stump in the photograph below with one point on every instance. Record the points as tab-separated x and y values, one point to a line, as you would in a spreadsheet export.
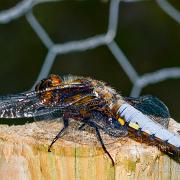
78	155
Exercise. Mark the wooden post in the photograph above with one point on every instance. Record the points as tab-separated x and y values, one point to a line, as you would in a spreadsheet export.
24	155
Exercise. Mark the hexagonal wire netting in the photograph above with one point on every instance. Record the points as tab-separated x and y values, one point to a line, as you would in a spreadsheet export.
24	8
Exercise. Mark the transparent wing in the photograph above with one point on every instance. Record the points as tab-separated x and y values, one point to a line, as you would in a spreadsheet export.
152	107
19	105
46	113
29	104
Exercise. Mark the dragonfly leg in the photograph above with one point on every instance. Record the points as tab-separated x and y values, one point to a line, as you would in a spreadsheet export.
82	127
102	144
66	123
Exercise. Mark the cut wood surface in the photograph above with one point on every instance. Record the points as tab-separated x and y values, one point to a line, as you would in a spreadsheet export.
78	155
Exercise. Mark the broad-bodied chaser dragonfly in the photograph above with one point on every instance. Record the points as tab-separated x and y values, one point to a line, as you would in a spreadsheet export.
95	104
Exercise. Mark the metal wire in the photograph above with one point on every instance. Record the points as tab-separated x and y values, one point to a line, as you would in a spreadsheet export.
24	8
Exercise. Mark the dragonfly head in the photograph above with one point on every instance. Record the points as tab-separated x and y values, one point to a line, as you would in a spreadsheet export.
52	81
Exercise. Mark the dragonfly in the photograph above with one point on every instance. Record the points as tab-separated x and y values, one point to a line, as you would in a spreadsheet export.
97	105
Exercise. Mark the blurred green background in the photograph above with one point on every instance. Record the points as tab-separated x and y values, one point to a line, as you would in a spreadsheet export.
146	34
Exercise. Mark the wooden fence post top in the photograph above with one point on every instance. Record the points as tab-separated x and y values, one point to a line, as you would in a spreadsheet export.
78	155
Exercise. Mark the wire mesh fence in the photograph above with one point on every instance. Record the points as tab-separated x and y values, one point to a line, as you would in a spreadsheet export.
108	38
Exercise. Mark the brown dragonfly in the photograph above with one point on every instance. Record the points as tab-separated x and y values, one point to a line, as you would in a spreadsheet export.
89	101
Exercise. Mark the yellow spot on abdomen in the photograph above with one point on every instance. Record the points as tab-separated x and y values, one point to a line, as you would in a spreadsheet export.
121	121
134	125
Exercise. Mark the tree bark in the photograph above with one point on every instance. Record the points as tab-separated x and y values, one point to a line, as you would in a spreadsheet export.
78	155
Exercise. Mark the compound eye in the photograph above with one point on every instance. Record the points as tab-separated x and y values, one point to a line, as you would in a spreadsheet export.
55	80
51	81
